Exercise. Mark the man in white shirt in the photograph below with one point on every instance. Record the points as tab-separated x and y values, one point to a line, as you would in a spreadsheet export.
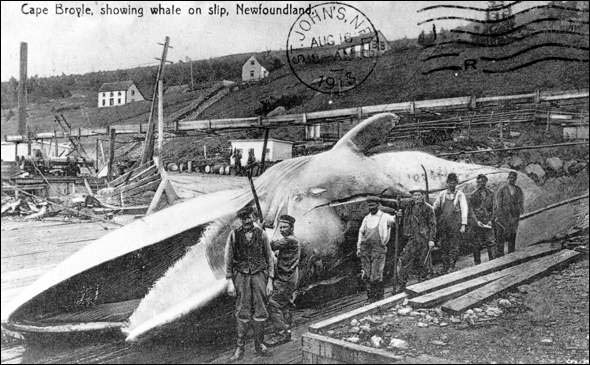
451	211
372	248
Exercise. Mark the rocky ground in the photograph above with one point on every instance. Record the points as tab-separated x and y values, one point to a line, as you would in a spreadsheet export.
545	321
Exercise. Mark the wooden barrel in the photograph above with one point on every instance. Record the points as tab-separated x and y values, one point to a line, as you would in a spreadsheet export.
227	170
207	169
217	169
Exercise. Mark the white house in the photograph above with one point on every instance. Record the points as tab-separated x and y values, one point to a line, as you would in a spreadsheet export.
276	149
364	45
254	70
118	93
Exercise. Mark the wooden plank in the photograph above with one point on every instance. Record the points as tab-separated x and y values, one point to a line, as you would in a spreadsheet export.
368	309
527	272
500	263
345	352
138	184
442	295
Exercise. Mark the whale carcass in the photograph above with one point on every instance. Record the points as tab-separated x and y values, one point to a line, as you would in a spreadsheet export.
165	266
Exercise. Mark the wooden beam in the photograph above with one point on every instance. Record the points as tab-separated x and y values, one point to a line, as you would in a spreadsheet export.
500	263
442	295
113	134
526	272
366	310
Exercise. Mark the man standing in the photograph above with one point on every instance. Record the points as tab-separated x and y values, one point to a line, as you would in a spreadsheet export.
508	206
481	202
286	276
249	270
451	211
420	229
372	248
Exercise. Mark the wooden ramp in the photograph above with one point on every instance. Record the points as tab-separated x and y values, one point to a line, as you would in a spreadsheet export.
525	272
500	263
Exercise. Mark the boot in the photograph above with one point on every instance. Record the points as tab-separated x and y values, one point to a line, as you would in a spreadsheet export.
490	253
241	329
238	354
379	290
259	346
369	291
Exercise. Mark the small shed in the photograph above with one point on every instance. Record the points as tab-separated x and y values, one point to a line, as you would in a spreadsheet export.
276	149
255	69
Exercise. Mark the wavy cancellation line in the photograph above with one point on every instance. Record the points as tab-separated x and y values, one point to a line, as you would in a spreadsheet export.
542	45
502	20
515	29
512	39
530	63
447	6
440	55
445	68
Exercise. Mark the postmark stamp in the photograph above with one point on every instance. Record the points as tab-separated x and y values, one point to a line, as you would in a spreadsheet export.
333	48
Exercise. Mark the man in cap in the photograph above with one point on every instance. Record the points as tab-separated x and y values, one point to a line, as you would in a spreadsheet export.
508	206
286	276
451	210
372	248
250	271
419	226
481	204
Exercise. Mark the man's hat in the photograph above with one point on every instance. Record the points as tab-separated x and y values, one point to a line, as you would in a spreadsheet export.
373	199
482	176
417	191
287	218
452	177
245	211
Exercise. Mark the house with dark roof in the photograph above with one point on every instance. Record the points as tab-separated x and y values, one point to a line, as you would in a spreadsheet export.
118	93
254	69
364	45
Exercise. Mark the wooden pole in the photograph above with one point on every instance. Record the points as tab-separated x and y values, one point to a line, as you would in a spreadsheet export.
111	153
22	91
148	148
395	248
96	158
266	130
160	118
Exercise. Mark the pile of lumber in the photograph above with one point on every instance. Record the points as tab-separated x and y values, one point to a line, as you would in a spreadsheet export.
467	288
135	187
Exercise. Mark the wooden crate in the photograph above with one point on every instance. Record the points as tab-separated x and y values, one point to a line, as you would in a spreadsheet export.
319	349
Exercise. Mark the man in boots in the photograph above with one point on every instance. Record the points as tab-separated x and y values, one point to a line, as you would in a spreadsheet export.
508	206
481	204
250	271
420	229
286	277
372	248
451	210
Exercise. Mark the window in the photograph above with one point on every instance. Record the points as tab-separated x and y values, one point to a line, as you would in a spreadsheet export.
111	101
112	94
104	94
119	93
104	102
132	92
252	62
251	73
119	101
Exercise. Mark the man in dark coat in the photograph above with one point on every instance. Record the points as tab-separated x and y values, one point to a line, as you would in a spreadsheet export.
481	205
419	226
508	206
286	277
250	271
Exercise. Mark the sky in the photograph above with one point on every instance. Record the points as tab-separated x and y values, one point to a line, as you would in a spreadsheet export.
72	44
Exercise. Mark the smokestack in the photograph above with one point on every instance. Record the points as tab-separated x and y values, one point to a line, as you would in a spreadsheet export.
22	91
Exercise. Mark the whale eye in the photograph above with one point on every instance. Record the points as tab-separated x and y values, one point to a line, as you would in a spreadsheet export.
316	191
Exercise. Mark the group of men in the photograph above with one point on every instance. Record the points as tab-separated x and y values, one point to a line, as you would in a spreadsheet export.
489	219
264	284
263	288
